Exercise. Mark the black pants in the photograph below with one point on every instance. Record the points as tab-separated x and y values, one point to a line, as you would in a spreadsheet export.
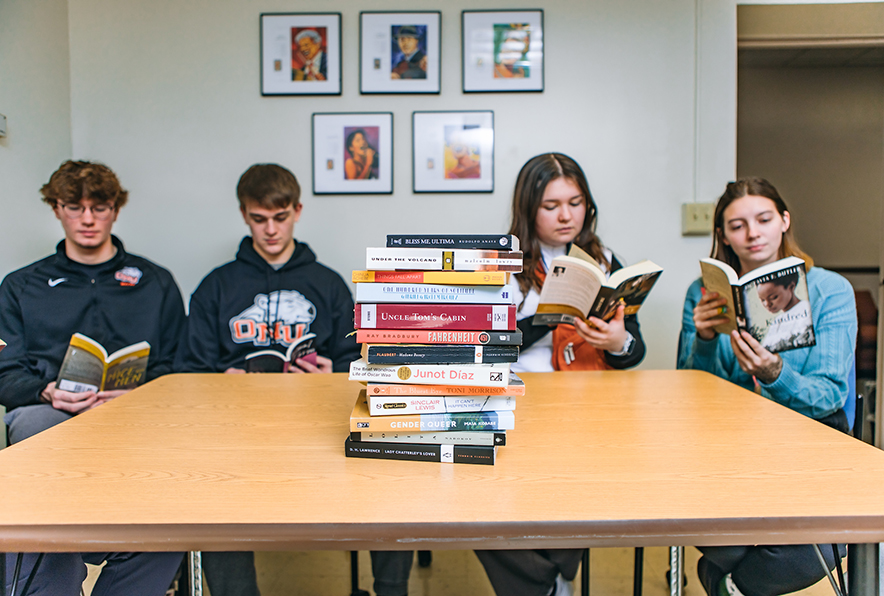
528	572
764	570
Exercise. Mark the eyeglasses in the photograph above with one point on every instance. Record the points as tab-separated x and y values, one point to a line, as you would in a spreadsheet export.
76	210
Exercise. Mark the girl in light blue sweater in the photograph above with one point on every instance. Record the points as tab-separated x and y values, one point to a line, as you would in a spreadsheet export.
752	229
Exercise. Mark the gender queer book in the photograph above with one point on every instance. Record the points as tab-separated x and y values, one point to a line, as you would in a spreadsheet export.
448	317
474	375
271	361
576	288
381	405
450	454
433	293
431	336
88	367
360	420
771	303
455	437
514	388
438	354
436	259
475	278
489	241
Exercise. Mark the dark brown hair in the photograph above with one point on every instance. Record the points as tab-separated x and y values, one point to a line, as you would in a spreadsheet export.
758	187
74	181
268	185
527	197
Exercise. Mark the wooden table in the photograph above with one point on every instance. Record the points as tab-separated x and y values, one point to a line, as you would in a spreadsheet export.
256	462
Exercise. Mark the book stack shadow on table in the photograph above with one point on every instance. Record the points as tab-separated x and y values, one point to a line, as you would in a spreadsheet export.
437	326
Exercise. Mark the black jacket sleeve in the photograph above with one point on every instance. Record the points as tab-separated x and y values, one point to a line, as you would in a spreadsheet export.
200	347
172	323
343	348
531	334
20	383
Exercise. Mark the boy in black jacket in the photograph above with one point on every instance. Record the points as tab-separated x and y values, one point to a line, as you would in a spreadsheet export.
273	293
91	285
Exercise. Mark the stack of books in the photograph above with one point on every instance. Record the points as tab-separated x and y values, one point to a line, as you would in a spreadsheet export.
437	326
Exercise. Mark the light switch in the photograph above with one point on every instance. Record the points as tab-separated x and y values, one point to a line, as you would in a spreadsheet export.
2	125
696	219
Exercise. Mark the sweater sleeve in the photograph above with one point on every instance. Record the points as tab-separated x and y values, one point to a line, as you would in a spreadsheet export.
200	346
172	322
814	380
20	384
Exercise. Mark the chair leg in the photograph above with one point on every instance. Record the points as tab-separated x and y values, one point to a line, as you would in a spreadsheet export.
837	559
638	571
16	570
584	574
354	575
31	575
822	560
424	558
677	578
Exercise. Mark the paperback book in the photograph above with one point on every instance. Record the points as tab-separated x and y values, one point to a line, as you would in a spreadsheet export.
88	367
475	278
514	388
489	241
272	361
476	375
360	420
433	259
383	405
433	293
576	288
431	336
771	303
441	317
455	437
451	454
438	354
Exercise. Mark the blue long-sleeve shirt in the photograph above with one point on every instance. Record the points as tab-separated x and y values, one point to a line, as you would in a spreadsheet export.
814	380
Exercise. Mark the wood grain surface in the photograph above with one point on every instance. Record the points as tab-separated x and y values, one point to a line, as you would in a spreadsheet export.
256	462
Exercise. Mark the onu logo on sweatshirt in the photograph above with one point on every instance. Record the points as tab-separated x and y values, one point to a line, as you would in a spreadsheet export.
289	311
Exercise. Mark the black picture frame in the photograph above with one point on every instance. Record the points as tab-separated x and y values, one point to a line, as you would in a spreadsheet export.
502	51
380	55
285	71
336	169
452	151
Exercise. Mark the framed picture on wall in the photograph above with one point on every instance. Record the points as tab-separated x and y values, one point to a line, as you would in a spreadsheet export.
353	153
453	151
400	52
301	54
502	50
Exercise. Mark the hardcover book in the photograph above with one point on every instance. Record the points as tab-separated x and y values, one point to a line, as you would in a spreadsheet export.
771	302
360	420
433	259
514	388
88	367
452	454
475	375
470	317
433	293
430	336
576	288
475	278
456	437
383	405
272	361
438	354
489	241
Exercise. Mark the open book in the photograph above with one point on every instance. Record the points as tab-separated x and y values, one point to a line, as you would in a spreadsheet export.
268	361
575	287
88	367
771	302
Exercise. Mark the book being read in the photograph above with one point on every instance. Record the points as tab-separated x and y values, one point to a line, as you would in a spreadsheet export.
771	302
576	287
88	367
272	361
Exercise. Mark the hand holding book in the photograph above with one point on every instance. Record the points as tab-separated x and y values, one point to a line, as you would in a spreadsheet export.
610	336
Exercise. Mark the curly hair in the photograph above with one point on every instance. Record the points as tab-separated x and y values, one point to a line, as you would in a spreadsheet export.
74	181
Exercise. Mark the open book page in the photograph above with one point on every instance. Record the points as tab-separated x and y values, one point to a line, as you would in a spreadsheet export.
634	283
83	365
266	361
127	368
568	292
718	279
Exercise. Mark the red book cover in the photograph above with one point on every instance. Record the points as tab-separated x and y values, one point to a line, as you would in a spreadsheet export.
475	317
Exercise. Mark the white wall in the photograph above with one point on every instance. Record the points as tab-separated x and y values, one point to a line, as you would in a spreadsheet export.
167	93
35	97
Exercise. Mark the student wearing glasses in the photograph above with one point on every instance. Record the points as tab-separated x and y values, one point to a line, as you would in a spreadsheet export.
91	285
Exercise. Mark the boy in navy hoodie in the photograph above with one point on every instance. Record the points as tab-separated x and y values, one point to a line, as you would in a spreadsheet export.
271	295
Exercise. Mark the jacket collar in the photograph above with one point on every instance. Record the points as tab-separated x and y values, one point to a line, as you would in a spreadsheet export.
62	259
